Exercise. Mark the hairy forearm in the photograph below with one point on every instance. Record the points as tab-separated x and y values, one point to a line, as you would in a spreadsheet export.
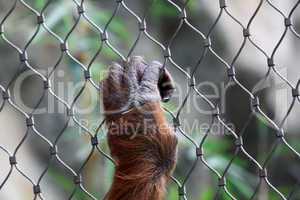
145	152
139	137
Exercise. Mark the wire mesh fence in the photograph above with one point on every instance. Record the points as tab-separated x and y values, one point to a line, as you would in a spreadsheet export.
84	68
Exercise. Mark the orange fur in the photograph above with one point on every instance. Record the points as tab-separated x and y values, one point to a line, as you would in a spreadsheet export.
141	141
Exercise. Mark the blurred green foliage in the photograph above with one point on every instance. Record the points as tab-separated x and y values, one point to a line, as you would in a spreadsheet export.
163	9
39	4
84	44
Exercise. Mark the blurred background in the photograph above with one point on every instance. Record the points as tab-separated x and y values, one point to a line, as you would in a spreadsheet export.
163	19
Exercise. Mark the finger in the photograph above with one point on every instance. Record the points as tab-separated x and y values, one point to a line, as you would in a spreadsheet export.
134	68
148	86
151	74
115	73
114	78
166	85
112	86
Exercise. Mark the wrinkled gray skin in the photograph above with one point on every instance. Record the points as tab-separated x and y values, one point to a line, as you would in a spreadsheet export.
135	83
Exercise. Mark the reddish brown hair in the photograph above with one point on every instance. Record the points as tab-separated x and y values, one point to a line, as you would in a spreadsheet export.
141	141
145	160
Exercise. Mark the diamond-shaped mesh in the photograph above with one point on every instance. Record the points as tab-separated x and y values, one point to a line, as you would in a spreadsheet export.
107	43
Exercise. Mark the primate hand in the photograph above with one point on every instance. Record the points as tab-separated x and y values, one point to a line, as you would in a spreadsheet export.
139	137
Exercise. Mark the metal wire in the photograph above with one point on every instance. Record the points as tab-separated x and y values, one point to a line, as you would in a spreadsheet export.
198	146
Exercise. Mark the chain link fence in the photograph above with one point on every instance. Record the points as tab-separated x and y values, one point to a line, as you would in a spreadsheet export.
222	188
